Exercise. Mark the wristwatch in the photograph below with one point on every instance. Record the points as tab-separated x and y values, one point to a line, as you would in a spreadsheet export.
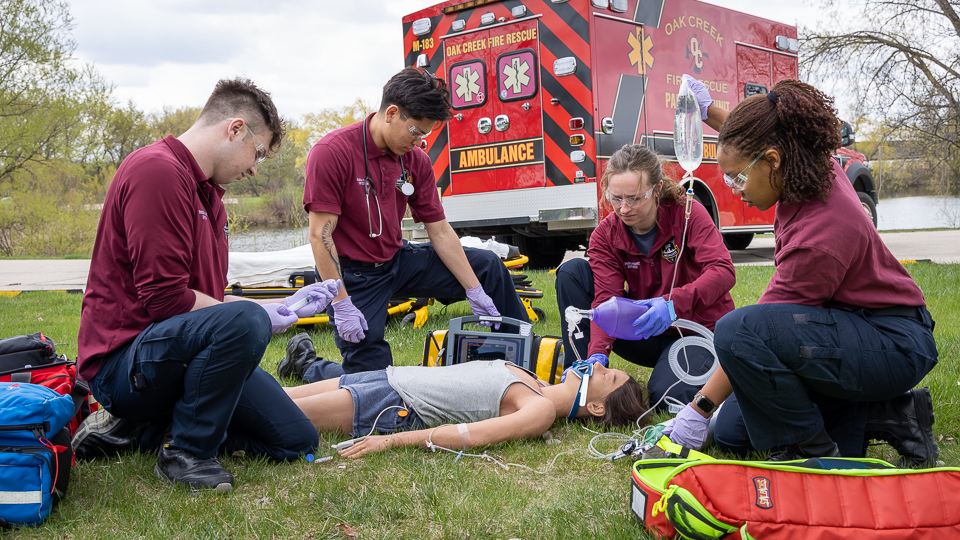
704	403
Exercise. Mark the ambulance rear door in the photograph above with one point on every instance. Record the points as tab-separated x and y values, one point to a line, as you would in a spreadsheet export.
496	135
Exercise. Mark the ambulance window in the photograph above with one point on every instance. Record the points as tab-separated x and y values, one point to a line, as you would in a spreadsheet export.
517	75
468	84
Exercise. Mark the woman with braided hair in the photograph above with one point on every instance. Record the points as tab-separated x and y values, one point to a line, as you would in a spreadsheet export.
842	332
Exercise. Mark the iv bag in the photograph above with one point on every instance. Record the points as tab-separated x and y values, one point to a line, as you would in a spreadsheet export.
688	130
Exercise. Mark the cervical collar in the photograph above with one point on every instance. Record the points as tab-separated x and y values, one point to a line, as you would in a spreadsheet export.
584	370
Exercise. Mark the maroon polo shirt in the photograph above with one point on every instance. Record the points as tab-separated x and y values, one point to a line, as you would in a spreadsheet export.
829	254
162	233
335	184
704	278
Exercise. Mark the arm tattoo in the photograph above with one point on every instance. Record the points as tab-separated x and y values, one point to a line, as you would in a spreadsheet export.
327	235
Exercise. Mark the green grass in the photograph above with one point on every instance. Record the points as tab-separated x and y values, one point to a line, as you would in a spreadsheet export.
409	493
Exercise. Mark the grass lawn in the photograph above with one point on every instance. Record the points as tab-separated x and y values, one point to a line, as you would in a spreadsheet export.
410	493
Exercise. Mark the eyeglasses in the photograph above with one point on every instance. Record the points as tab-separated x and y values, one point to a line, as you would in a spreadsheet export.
414	130
261	150
629	202
741	179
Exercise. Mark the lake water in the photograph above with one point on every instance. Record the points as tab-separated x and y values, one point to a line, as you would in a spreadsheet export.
917	212
925	212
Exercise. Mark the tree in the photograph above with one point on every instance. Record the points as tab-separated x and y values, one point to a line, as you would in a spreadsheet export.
173	121
901	60
46	99
316	125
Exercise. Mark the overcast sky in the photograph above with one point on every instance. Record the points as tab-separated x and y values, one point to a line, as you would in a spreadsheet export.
310	54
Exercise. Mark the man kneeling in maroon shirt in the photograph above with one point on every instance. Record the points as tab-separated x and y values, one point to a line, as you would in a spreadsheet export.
171	361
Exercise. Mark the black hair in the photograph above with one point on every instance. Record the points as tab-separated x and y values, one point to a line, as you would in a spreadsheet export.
800	122
241	98
418	94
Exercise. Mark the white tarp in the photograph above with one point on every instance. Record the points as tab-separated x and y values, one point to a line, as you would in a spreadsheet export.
268	268
273	268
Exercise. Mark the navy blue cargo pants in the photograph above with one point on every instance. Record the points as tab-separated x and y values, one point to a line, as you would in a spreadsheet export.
798	369
575	288
197	373
416	271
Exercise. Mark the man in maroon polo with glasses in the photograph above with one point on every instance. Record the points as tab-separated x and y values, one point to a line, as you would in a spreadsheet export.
172	362
359	181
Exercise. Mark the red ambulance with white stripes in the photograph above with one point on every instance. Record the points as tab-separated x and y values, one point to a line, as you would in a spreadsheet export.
544	91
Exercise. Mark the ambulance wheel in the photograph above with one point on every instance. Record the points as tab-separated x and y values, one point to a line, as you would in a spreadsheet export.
543	252
868	206
737	240
541	315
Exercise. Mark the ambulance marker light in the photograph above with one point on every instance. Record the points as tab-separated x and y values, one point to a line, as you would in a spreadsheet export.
559	1
519	11
468	5
578	156
576	123
422	60
421	26
576	140
487	18
601	4
458	25
785	43
565	66
619	6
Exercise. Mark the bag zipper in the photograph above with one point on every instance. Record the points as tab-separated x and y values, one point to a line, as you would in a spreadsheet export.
36	429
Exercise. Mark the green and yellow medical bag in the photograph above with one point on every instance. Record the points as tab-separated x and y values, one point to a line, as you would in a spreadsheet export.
542	355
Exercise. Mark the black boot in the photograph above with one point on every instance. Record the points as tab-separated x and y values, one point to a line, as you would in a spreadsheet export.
905	423
820	445
102	434
300	354
181	467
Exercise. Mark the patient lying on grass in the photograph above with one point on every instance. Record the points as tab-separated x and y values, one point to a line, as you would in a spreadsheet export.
474	404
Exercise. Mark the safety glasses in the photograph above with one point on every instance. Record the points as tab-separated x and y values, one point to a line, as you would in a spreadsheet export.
629	202
741	179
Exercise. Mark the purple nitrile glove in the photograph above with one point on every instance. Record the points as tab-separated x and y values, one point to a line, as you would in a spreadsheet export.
595	358
703	95
656	320
349	321
482	305
321	292
280	321
688	429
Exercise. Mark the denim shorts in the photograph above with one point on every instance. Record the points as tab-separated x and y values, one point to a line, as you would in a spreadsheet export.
372	395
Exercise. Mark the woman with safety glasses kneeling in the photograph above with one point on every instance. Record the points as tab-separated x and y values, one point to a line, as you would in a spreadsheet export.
649	251
828	356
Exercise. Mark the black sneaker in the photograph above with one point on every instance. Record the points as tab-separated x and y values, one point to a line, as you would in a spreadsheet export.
180	467
820	445
102	434
300	354
905	423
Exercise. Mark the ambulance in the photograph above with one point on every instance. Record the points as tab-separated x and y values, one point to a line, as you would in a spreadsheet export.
545	91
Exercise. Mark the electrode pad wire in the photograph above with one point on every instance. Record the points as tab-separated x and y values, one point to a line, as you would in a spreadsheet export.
488	457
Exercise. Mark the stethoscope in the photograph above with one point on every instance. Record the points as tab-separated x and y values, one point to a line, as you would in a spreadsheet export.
403	184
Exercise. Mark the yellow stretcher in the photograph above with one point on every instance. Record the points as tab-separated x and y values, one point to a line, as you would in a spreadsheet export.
414	310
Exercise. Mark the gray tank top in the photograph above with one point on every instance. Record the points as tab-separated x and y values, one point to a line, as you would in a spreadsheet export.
467	392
